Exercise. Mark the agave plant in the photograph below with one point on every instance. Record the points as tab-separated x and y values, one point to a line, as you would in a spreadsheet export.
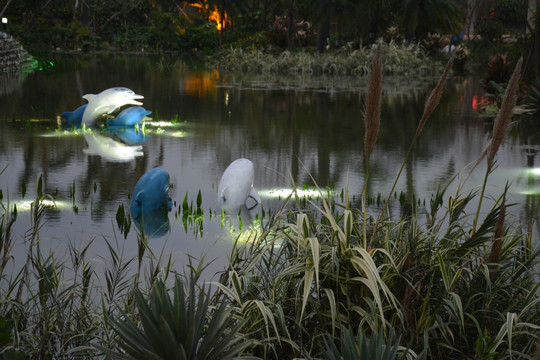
184	327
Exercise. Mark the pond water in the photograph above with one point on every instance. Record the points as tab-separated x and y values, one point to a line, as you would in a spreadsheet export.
294	127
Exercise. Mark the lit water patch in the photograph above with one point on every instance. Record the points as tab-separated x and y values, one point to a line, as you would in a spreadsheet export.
26	205
528	181
61	133
282	193
163	128
161	124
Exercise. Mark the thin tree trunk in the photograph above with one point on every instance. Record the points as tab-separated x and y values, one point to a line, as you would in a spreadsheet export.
531	10
5	7
291	28
324	33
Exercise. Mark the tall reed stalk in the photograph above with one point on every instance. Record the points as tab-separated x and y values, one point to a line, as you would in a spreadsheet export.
500	130
372	121
430	105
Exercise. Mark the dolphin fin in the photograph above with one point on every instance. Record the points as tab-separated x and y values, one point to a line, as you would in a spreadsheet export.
111	108
224	193
89	97
139	195
255	199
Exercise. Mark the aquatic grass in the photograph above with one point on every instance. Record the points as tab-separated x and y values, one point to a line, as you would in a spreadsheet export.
405	59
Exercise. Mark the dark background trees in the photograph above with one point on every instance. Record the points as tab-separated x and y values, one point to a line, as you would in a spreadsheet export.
208	25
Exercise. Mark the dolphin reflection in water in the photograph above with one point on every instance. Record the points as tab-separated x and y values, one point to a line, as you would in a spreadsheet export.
110	149
150	203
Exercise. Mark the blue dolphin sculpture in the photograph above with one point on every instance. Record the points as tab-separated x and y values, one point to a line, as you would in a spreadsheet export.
73	118
151	193
129	117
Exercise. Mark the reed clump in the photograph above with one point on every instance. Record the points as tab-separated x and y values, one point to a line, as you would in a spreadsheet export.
401	59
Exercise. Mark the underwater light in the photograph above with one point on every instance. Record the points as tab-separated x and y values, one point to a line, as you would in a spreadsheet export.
283	193
178	134
531	191
533	171
160	123
247	236
61	133
26	205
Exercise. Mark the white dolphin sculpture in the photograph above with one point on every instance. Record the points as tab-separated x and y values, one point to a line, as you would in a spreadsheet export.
110	149
106	102
236	186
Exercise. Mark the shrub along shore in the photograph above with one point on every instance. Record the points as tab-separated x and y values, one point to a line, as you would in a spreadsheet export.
318	281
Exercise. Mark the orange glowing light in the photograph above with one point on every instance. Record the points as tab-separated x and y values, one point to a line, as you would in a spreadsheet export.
214	15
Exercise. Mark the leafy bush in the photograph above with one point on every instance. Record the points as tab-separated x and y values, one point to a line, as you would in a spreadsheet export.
491	30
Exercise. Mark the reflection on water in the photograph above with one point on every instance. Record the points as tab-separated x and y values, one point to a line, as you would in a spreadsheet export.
10	83
296	128
153	224
110	149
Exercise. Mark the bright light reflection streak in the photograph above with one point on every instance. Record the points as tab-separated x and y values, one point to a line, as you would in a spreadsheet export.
26	205
161	132
533	174
160	124
61	134
533	171
283	193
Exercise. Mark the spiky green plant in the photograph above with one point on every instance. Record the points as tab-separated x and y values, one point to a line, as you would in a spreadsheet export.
182	327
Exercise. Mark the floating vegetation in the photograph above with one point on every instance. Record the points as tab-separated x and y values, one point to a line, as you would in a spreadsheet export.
404	59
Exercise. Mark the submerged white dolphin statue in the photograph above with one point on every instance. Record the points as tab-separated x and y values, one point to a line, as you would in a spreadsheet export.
106	102
236	186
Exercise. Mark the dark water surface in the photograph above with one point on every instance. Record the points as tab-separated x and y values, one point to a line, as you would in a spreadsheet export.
290	127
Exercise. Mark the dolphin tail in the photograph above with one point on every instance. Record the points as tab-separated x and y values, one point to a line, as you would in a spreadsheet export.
68	115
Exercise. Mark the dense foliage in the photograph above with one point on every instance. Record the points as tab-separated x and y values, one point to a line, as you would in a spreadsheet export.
158	25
